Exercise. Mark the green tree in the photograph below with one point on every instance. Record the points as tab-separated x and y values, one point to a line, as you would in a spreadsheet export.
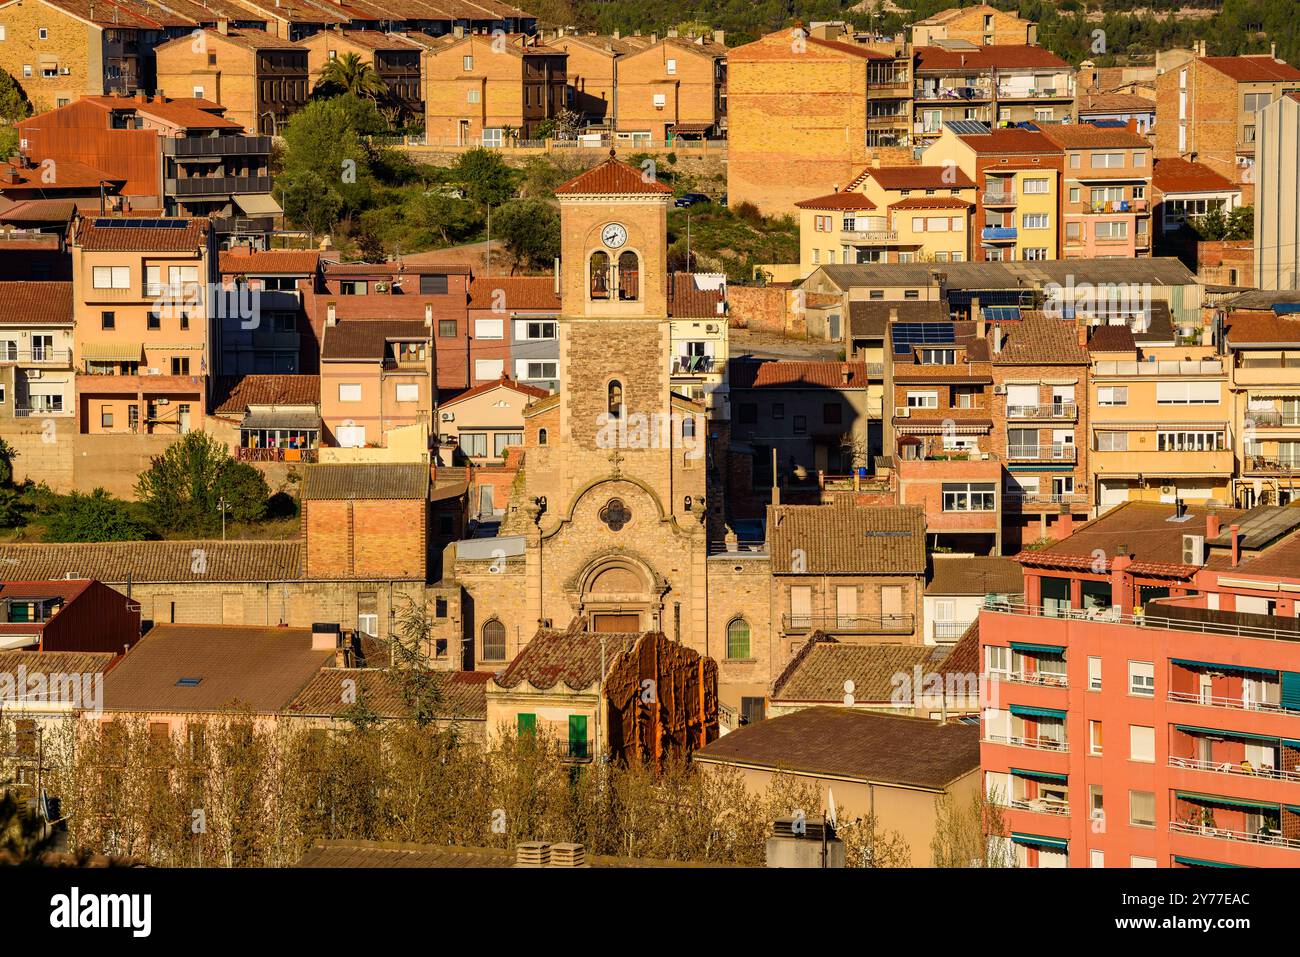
183	488
14	106
325	173
350	74
484	177
97	517
7	455
530	229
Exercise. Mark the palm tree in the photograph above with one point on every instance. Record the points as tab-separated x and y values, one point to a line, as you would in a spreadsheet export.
348	74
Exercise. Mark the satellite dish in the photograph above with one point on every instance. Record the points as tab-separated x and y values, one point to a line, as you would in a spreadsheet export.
849	688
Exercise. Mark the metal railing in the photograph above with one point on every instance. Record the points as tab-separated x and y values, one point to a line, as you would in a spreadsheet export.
217	185
1044	679
1019	741
998	198
1043	498
1041	806
573	750
1264	463
950	630
1056	410
868	235
29	412
1227	834
1270	418
1151	619
244	454
1046	452
1162	367
59	356
856	624
999	233
216	146
1227	767
1217	701
975	92
692	365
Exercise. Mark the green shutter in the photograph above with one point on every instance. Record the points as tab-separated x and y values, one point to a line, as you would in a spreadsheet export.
577	735
1291	690
527	724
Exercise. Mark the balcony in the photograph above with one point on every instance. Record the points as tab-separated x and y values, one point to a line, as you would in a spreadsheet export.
1046	93
217	185
1269	838
849	624
1057	411
40	412
952	93
573	750
40	357
1227	767
276	455
692	365
868	237
1270	464
1152	618
1271	419
216	146
998	234
1274	370
1045	452
1043	679
1005	197
1023	500
950	630
1041	806
1213	701
1037	744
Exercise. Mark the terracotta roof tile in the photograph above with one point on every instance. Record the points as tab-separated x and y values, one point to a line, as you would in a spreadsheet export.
115	563
979	575
1006	56
611	177
932	202
1256	68
819	672
68	174
56	662
1082	135
505	382
367	339
796	373
869	319
463	693
237	394
95	238
1040	341
846	540
687	300
255	667
854	744
32	303
1112	339
1011	140
920	177
270	262
40	211
842	200
1115	103
1259	328
571	658
368	481
525	293
1176	175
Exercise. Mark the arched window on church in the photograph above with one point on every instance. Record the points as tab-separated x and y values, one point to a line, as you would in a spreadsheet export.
615	399
738	639
600	275
629	277
494	641
541	436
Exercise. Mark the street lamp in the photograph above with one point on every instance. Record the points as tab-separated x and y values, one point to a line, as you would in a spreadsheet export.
223	506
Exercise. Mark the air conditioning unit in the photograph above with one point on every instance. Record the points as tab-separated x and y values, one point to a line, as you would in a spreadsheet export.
1193	549
153	371
449	417
902	412
999	390
164	402
1167	490
65	71
34	374
711	327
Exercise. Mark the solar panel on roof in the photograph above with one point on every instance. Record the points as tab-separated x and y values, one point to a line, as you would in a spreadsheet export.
115	223
908	334
1001	313
966	127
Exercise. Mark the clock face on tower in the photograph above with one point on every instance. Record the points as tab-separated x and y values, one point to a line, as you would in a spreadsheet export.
614	235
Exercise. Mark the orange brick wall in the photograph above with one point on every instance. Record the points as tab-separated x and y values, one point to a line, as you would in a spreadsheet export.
365	539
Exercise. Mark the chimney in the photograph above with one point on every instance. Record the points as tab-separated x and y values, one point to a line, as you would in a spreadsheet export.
557	275
893	314
1131	125
654	38
532	854
1211	527
977	314
1082	328
568	855
223	26
457	31
720	37
331	314
846	373
1120	593
1236	544
1067	522
615	34
428	315
997	339
325	636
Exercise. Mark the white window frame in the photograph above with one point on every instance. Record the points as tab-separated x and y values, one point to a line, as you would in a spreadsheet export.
349	391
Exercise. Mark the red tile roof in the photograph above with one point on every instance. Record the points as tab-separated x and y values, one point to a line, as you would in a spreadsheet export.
1177	175
611	177
686	300
191	113
851	48
796	373
505	382
1002	56
1115	103
40	211
1010	140
94	238
834	201
572	658
64	175
242	261
1257	68
921	177
531	293
1040	341
237	394
1259	328
1082	135
31	303
931	202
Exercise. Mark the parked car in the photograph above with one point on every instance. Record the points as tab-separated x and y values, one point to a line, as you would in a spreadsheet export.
691	199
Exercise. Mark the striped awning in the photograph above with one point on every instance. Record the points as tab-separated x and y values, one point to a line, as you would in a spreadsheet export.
1216	666
1038	649
1198	862
1040	775
113	351
1219	733
1220	801
1039	840
1025	711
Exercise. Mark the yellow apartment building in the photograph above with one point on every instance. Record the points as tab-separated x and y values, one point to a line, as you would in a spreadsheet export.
676	87
1263	355
1162	422
140	346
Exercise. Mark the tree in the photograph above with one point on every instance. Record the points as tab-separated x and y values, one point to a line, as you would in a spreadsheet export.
1237	224
183	487
530	229
97	517
972	834
484	176
7	455
24	837
14	106
350	74
410	653
325	173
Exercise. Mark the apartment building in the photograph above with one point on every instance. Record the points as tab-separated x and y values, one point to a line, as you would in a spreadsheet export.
1162	422
260	79
1143	697
482	424
787	139
141	347
890	214
980	24
514	330
1182	191
699	340
488	90
1277	194
997	85
265	329
395	59
1105	191
1018	174
674	88
36	323
1211	104
1262	351
181	156
592	70
271	418
376	375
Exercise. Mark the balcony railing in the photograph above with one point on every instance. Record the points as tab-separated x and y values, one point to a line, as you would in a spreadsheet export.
1022	499
1268	463
1018	741
851	624
1047	452
217	185
191	146
573	750
28	412
998	198
1271	419
1041	806
1044	679
276	455
1227	767
868	235
1150	619
692	365
952	92
950	630
1271	838
1057	410
1012	93
1216	701
61	357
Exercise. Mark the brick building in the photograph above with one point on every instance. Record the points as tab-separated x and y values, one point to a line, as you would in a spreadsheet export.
979	24
676	87
66	615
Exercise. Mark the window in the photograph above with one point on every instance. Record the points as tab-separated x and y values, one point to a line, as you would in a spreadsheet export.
494	137
1142	679
503	440
832	413
1189	441
489	329
1187	393
489	368
1112	395
1141	743
541	436
1094	674
1094	737
154	321
671	67
446	328
997	659
1036	187
494	645
538	330
1252	102
111	277
433	285
1135	861
43	33
1035	220
537	369
923	400
1142	808
1112	441
467	63
474	444
108	320
408	392
969	497
106	417
1107	160
937	357
180	365
738	640
614	395
801	425
1113	230
349	391
1096	858
778	410
1034	254
354	287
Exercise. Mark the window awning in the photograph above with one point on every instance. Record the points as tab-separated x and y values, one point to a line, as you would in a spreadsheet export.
1217	666
1197	862
1215	732
258	204
304	419
1024	711
1038	840
1038	649
1040	775
113	351
1225	801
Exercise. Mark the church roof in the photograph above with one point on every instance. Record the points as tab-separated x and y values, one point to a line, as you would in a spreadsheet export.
611	176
